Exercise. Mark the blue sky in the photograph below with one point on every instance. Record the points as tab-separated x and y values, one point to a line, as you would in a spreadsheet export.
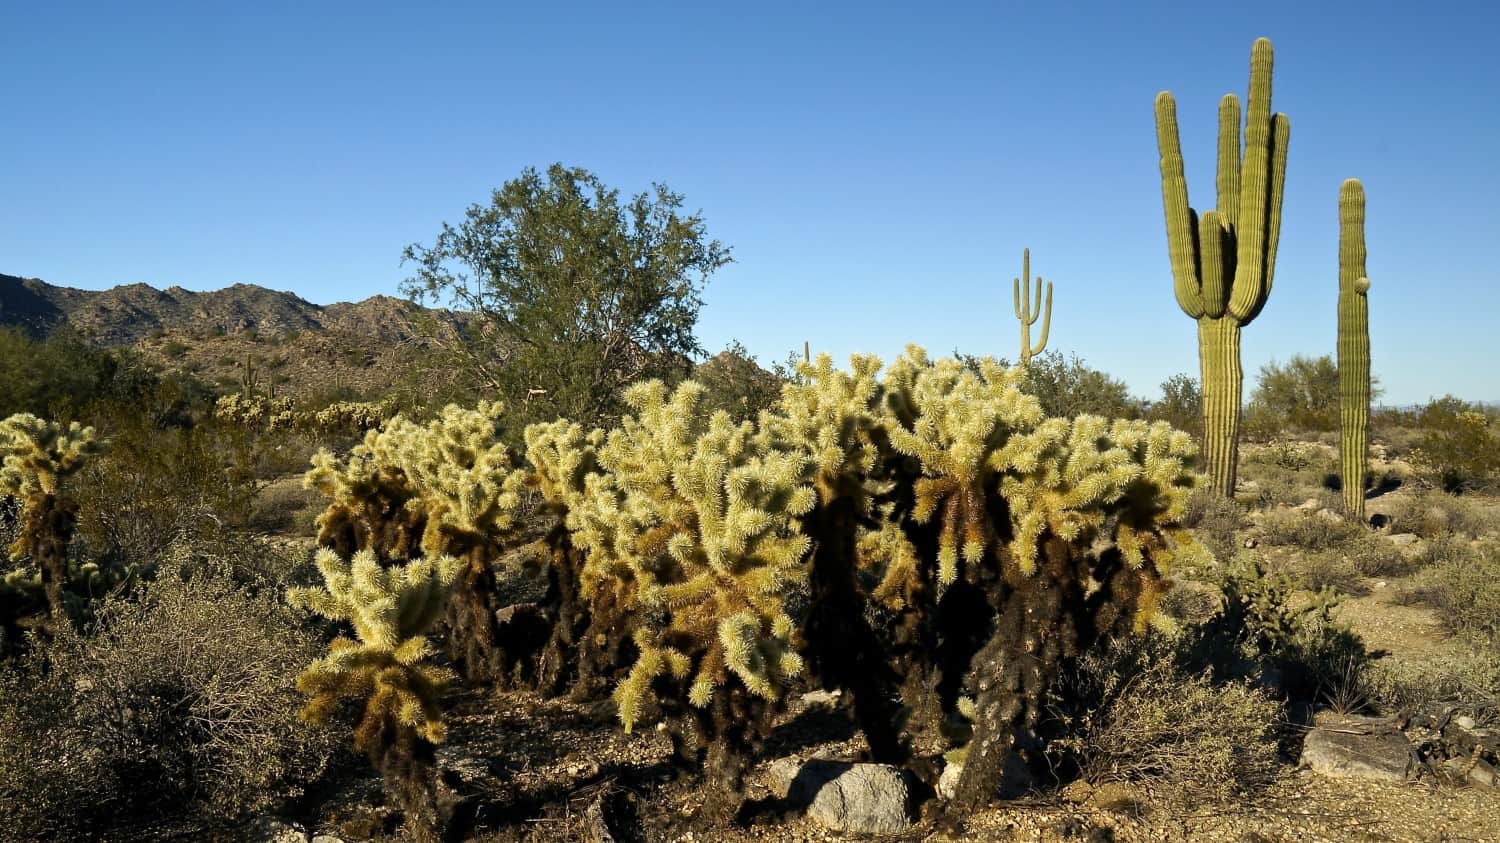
877	169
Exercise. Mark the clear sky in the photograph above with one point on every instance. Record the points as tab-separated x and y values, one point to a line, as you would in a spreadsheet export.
877	169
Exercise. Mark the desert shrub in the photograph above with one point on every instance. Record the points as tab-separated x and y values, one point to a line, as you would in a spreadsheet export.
1466	593
284	508
1458	449
1289	472
1068	387
1431	514
1468	680
180	697
1444	549
1303	393
1216	521
156	485
1307	530
1374	556
1181	404
1262	628
1333	570
1147	719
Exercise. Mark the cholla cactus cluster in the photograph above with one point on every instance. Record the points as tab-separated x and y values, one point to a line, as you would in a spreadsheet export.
734	557
256	412
387	664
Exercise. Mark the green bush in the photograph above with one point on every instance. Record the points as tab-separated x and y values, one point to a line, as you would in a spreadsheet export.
1431	514
735	383
180	698
1216	521
1068	388
1181	404
1458	449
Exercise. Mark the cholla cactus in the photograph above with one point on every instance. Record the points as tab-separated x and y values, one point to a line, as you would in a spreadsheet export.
35	457
391	609
256	412
449	486
699	521
386	666
352	415
705	525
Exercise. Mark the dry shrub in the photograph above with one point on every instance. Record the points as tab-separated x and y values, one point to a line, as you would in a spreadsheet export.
181	698
1468	681
1152	721
1375	556
1431	514
1216	521
1307	530
1329	569
1466	593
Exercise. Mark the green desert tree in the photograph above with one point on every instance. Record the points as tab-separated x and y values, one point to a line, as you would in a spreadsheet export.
387	667
577	293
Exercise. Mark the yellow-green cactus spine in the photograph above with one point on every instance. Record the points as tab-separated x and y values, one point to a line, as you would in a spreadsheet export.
1354	346
1028	311
1223	261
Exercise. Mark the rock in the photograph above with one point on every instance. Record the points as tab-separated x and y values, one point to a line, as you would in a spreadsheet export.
1310	504
1479	773
1404	540
825	699
1356	747
1329	515
326	838
270	829
1252	542
844	796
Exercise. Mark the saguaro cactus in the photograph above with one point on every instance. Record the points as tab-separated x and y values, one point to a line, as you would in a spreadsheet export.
1027	312
1354	346
1222	263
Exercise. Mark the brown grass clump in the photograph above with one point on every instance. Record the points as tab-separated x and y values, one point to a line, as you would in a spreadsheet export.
1187	736
1307	530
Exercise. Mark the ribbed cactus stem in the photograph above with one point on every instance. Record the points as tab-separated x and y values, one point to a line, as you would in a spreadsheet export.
1219	360
1354	346
1223	261
1028	311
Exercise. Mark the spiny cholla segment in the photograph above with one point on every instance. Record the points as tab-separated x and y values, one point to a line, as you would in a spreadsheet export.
455	471
701	518
35	455
391	609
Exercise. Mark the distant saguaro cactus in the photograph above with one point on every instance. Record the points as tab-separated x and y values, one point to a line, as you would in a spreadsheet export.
1354	346
1223	262
1027	312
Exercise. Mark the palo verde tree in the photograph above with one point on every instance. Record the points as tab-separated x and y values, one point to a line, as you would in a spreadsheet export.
1223	261
577	293
387	667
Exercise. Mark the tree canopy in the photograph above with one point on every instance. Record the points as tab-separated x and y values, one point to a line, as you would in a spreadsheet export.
577	294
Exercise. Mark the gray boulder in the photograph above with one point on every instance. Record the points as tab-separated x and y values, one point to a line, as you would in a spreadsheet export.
1356	747
844	796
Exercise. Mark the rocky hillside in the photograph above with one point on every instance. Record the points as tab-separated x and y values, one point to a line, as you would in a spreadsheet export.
127	314
225	336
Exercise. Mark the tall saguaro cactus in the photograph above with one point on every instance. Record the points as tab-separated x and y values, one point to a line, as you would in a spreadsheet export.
1223	261
1354	346
1027	312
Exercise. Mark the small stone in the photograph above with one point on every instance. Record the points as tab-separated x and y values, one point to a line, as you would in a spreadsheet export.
1478	773
828	699
270	829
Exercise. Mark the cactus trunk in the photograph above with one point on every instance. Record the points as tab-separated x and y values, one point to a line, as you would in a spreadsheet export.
1219	359
1354	347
